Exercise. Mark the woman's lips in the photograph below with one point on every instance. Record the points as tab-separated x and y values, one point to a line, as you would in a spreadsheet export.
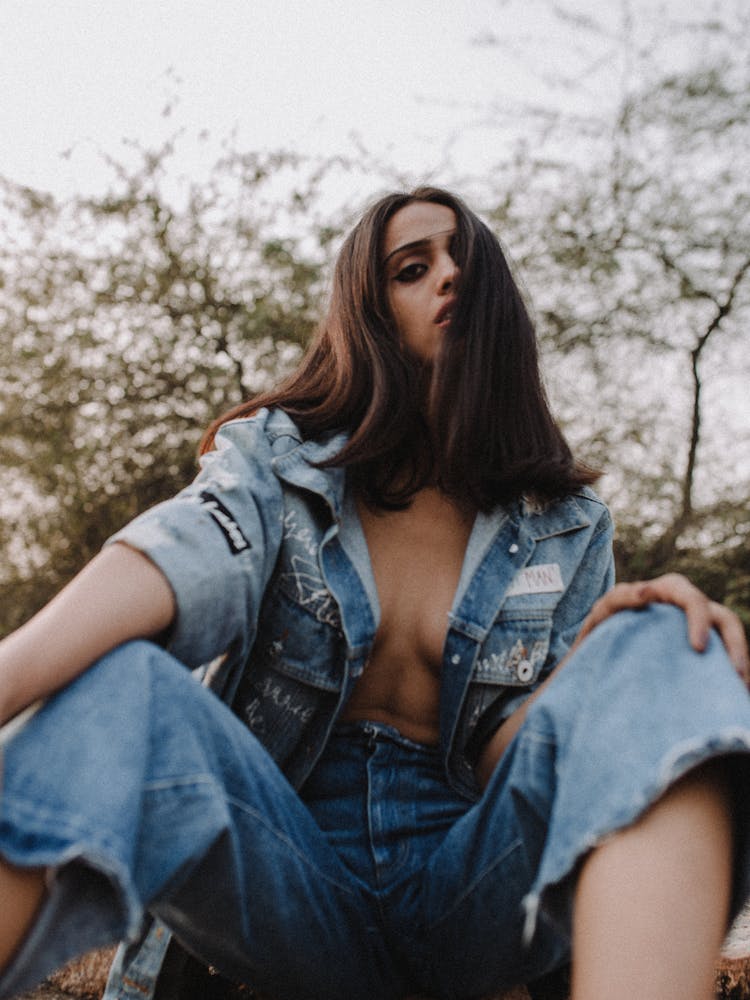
445	313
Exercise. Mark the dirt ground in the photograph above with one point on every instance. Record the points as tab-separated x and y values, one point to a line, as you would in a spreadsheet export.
85	979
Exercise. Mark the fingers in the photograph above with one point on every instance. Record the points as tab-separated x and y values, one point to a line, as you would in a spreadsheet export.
672	588
732	633
620	597
702	614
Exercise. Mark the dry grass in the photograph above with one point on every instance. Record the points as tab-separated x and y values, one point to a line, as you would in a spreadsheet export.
85	978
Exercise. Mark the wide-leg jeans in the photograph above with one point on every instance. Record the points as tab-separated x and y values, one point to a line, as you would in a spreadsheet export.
140	791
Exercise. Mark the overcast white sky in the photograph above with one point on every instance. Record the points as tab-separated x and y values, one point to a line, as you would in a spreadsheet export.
410	78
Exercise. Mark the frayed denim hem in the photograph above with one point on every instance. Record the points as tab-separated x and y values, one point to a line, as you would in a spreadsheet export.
554	888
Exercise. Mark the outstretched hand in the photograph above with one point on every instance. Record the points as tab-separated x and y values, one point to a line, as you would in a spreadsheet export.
702	614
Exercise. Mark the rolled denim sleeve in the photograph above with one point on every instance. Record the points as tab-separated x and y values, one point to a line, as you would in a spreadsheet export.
216	543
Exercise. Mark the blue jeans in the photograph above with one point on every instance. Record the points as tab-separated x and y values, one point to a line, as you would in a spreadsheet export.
139	789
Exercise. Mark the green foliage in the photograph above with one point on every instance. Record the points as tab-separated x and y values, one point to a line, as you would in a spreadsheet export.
126	325
639	269
127	322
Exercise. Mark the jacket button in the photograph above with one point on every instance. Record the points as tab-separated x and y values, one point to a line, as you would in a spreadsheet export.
513	549
524	671
455	658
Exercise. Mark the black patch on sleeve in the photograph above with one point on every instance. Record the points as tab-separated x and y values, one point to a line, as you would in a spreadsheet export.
229	528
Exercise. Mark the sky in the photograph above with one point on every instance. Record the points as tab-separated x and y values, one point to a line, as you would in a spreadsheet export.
411	81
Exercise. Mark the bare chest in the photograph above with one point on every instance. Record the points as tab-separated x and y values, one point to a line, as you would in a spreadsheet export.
416	557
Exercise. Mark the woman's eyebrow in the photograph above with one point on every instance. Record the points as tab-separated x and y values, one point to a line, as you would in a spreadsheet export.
417	244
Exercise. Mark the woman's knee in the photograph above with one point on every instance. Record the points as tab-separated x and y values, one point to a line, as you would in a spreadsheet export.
649	650
636	682
138	654
109	710
129	671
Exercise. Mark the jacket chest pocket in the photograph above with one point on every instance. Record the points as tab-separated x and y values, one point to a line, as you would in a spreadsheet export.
293	679
507	668
300	582
515	649
296	643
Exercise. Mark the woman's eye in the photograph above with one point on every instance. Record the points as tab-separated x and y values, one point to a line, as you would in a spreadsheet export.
412	272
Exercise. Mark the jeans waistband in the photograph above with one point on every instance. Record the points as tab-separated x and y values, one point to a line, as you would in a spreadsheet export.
367	731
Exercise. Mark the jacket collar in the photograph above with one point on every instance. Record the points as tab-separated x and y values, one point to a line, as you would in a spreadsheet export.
295	461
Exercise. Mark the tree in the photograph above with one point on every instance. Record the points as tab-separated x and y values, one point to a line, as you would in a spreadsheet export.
127	324
132	319
638	262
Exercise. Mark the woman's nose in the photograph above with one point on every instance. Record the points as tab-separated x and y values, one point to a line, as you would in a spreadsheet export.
448	272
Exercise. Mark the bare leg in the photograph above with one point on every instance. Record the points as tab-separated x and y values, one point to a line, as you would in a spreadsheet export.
652	903
21	892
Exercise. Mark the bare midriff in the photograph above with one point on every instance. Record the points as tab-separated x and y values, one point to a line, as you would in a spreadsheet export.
416	557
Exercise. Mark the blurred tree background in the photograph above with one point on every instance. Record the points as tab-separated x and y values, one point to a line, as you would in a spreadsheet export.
129	320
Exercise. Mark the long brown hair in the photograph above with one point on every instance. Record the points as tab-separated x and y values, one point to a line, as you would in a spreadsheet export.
490	436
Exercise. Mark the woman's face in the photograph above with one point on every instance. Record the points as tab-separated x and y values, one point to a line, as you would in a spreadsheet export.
420	274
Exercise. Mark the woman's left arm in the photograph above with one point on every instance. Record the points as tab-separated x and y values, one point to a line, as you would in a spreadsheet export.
702	615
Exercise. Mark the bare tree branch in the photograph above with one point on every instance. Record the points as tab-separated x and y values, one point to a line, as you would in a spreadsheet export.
722	311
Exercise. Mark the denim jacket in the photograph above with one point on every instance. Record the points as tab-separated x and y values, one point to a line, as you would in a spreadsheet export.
273	586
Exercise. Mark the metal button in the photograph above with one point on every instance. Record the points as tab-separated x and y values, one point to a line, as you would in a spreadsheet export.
513	549
455	658
524	671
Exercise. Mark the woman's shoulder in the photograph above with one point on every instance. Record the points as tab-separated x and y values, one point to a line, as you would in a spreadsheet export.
589	499
583	505
271	429
271	422
273	435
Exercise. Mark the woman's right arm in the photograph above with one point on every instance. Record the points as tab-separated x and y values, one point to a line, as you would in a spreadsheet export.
194	567
120	595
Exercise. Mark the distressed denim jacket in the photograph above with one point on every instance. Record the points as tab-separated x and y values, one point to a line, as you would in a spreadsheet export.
272	580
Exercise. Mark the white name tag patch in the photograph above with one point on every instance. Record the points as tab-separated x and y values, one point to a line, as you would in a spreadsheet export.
543	579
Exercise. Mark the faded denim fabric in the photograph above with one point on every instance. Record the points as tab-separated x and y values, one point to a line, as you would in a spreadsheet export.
144	792
291	616
274	589
268	564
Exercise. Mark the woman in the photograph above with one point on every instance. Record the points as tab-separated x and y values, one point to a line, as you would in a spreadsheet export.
387	560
